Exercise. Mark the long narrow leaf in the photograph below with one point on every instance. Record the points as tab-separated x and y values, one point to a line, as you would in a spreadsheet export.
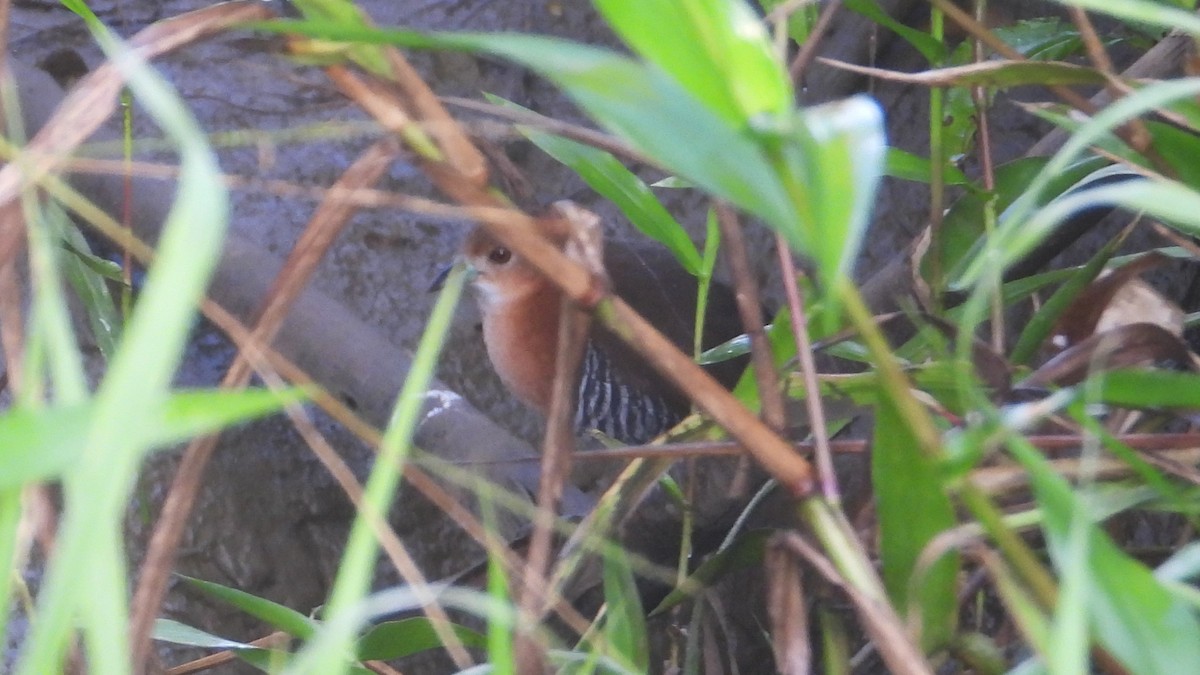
718	50
132	393
913	509
43	444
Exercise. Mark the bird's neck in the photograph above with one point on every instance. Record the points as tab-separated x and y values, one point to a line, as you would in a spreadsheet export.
522	339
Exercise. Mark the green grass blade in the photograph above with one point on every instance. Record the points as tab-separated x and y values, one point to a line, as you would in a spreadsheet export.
907	166
44	444
331	650
274	614
932	49
625	622
1042	323
92	288
500	639
132	393
10	522
1014	236
398	639
846	160
638	102
1159	14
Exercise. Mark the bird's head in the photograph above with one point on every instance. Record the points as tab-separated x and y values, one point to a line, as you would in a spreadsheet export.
498	273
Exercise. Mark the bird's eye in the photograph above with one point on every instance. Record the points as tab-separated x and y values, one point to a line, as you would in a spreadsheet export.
500	255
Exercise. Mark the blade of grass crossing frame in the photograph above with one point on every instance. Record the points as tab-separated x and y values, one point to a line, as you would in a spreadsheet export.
331	650
1159	14
44	444
1023	225
640	103
86	577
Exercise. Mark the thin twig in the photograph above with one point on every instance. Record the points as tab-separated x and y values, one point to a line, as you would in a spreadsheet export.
881	623
979	31
389	541
1139	136
809	49
574	132
1128	132
749	306
240	336
12	322
808	369
276	639
585	247
528	238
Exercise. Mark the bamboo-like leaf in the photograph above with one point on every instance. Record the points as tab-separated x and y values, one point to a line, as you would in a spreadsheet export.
913	508
499	633
1021	230
274	614
931	48
42	444
907	166
178	633
89	552
844	164
718	50
87	274
1159	14
1144	388
398	639
1042	38
962	226
1042	323
166	630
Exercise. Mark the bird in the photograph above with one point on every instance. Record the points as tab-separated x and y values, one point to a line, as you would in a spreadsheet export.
619	394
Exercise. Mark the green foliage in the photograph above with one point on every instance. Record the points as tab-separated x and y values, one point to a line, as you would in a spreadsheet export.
913	509
1140	620
625	623
45	443
133	410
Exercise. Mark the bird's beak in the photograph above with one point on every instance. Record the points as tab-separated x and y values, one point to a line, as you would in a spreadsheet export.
440	280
